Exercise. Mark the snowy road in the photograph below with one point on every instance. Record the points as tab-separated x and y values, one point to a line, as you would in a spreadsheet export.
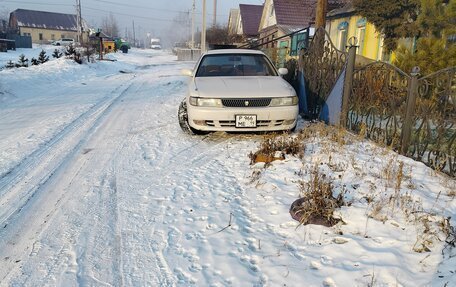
100	187
108	196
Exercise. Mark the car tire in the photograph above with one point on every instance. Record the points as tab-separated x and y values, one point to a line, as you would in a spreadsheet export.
183	121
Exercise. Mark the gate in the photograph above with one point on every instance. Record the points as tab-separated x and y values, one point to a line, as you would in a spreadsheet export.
321	65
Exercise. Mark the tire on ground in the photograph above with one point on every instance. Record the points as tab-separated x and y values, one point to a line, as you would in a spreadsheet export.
183	120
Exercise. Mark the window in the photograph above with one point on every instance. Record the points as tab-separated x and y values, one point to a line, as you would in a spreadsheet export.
361	34
52	37
342	40
40	36
62	36
380	49
271	10
361	25
235	65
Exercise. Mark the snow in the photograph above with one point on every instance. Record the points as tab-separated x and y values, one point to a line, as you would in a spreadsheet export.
99	186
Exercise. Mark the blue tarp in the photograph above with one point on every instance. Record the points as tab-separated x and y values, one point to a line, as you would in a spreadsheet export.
331	110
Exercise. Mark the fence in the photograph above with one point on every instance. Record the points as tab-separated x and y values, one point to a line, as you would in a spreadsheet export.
414	115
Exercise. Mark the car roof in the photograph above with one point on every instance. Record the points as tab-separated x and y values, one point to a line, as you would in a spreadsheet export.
234	51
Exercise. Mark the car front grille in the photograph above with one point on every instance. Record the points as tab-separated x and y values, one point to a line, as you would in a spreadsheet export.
246	103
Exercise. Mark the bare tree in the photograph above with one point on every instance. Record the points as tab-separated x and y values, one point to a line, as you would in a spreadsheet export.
109	26
4	19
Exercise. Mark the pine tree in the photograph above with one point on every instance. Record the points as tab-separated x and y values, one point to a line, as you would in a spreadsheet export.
431	55
432	52
23	61
57	54
35	62
42	58
70	51
10	65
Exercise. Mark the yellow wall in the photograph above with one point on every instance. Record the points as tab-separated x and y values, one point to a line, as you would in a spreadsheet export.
48	35
372	46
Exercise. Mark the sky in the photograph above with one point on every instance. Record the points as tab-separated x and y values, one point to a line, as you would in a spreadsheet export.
152	17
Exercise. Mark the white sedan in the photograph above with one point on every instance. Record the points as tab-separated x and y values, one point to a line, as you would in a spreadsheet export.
237	90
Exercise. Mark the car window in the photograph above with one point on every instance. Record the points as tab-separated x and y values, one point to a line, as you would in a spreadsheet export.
221	65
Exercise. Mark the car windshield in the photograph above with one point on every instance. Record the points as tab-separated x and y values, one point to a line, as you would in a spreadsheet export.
222	65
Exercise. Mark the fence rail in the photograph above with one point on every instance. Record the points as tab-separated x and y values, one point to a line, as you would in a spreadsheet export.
414	115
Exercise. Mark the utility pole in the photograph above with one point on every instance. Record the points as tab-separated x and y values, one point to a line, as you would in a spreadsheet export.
79	21
203	30
192	43
320	15
214	19
134	36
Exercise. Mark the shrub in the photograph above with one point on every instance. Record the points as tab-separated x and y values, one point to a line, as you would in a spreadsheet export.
23	61
317	204
42	58
57	54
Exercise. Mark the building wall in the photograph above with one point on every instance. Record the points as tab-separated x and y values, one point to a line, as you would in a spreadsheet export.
47	35
370	42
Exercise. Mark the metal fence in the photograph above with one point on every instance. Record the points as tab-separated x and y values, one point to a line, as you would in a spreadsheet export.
414	115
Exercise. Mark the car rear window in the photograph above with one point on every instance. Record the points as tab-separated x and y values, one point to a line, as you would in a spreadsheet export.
221	65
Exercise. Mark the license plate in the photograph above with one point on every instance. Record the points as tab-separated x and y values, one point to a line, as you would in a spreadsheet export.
246	121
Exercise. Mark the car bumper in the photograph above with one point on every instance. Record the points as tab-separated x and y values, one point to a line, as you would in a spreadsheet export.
224	119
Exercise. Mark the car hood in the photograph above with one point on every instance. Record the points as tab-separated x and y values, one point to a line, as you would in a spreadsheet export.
235	87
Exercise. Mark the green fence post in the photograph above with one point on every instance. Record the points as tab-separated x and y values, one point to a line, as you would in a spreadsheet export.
410	110
348	82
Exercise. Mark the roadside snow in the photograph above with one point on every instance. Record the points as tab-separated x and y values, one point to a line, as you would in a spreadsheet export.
99	186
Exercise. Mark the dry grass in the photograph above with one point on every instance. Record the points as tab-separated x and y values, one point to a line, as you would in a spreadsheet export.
389	195
275	147
317	204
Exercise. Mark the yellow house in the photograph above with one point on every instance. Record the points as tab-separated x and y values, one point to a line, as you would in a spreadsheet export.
343	23
45	27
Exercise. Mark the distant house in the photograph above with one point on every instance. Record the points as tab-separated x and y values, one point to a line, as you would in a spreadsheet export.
233	21
249	20
44	27
282	17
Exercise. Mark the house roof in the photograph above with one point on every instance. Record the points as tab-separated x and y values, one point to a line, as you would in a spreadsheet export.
250	17
300	12
341	11
45	20
293	12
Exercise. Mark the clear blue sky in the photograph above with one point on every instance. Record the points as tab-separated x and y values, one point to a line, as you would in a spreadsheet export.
151	16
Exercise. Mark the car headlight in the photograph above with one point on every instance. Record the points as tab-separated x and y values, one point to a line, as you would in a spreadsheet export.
205	102
288	101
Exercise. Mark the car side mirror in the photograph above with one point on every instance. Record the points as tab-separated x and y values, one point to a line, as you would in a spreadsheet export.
283	71
187	72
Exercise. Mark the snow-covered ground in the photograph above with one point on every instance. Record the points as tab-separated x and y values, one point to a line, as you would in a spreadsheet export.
100	187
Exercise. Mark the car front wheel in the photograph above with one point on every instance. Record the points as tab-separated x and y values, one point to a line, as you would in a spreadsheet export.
183	121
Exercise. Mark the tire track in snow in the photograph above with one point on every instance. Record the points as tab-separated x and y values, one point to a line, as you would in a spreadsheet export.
19	185
20	196
101	210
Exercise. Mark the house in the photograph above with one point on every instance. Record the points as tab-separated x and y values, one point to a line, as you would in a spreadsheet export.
249	20
45	27
344	23
233	21
282	17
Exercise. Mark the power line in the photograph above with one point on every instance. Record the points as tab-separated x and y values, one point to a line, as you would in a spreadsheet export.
129	15
137	6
